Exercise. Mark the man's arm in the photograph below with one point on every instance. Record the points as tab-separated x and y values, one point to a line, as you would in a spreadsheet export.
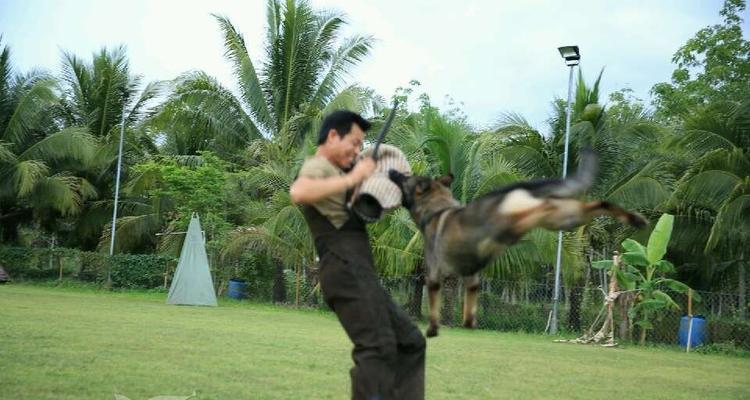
306	190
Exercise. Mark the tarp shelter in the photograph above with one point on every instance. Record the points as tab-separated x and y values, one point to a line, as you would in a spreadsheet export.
192	283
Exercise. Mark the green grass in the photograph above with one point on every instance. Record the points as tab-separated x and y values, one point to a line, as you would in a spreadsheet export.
85	344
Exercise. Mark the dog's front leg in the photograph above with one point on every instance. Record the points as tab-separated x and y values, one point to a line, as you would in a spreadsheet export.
433	292
471	289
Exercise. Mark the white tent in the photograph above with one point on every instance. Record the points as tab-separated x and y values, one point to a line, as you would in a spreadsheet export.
192	283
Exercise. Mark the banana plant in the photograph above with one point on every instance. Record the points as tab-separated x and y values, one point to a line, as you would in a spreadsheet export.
644	272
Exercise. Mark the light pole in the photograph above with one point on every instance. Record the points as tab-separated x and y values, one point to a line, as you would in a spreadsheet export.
572	57
117	195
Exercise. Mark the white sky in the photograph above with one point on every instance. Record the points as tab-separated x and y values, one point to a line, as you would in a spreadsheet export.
492	56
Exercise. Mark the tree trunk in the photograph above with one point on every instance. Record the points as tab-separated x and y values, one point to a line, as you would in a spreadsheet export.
279	284
415	302
643	336
643	329
60	266
624	305
741	288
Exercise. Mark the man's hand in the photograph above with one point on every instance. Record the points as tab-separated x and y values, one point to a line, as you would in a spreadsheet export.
308	190
363	169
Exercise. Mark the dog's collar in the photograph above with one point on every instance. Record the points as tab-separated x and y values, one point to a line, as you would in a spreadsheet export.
428	217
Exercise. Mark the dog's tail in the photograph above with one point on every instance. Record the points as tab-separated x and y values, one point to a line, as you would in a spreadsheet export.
576	184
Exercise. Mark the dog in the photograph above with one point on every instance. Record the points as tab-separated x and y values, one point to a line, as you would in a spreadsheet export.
462	240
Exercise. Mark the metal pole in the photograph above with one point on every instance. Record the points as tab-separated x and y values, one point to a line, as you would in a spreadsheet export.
117	196
556	299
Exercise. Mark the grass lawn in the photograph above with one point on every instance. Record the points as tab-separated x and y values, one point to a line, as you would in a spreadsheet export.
83	344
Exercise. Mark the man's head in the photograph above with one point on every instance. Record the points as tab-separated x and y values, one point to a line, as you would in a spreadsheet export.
341	136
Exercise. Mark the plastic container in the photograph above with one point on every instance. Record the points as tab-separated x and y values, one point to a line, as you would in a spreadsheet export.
698	333
237	289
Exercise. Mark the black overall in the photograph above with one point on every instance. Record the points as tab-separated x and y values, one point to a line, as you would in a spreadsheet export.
389	350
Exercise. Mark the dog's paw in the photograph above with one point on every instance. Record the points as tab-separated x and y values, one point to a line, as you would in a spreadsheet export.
431	331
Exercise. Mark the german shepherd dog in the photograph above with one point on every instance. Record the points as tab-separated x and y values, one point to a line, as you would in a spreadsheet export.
462	240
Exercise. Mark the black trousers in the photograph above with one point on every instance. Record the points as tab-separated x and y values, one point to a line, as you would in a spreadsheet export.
389	350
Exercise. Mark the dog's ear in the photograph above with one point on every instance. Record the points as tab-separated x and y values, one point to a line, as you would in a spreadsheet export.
396	176
446	180
422	186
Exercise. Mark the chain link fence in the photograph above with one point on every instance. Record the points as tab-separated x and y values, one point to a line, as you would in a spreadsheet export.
503	305
526	306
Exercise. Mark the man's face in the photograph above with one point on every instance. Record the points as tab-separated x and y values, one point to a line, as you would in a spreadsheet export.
345	149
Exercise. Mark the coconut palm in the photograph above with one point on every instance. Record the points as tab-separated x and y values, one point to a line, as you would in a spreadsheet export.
266	127
95	95
305	65
713	196
40	163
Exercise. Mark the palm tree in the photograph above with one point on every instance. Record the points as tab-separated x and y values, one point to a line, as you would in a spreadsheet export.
95	97
713	196
304	68
40	163
265	127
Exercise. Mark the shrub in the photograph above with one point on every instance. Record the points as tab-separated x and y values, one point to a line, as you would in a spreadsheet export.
725	330
498	315
144	271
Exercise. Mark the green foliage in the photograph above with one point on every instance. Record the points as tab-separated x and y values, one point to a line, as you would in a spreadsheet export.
162	196
143	271
726	330
128	270
644	272
657	242
726	348
41	178
714	65
499	315
18	260
193	188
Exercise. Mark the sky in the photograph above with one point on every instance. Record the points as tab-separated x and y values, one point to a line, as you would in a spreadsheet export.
490	57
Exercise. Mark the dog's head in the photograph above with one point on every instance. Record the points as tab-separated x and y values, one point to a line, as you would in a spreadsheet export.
418	189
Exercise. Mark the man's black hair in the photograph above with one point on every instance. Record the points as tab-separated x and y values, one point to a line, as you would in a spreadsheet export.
341	121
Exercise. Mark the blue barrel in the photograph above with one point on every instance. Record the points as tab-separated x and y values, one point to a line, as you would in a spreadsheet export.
698	334
237	289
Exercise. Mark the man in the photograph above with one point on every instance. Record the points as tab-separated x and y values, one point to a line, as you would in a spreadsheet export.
389	350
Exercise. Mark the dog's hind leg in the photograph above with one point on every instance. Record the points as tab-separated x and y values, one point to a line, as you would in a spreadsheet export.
433	292
596	208
471	289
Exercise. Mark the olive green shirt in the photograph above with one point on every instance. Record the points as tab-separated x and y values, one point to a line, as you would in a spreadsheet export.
332	207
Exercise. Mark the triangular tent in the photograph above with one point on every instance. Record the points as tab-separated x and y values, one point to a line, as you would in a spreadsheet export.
192	283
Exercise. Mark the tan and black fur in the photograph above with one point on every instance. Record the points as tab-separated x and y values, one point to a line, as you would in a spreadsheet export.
462	240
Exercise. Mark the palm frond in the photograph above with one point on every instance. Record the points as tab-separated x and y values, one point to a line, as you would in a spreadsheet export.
351	52
23	177
140	109
34	98
63	193
74	143
132	232
705	189
731	225
201	108
244	70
